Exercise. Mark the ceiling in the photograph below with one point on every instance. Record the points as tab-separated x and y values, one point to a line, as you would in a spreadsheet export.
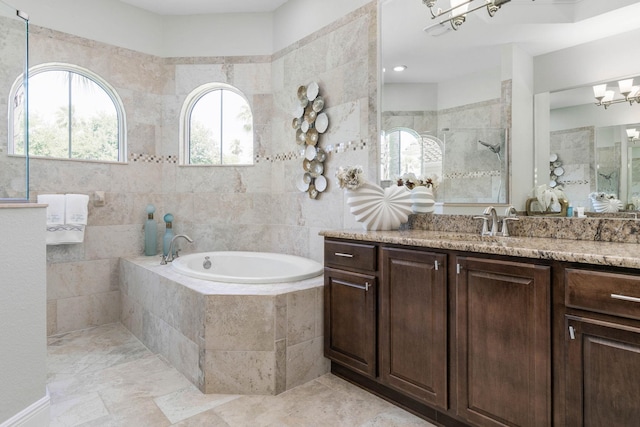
197	7
538	27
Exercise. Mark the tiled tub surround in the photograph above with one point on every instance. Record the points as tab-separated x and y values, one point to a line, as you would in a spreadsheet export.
223	208
226	338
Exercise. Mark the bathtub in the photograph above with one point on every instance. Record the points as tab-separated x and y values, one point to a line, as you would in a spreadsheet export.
228	338
247	267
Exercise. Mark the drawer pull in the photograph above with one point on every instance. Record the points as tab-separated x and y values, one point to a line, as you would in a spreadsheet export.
625	298
343	255
366	286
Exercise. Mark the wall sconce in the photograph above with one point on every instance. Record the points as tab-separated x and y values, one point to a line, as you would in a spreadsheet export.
605	97
458	12
633	135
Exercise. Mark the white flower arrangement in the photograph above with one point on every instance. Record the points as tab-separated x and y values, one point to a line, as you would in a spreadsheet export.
548	197
350	177
410	180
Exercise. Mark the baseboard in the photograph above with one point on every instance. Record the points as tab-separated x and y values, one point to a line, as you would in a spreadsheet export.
35	415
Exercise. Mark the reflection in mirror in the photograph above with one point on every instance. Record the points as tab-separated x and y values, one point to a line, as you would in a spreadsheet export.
14	171
452	100
594	147
404	151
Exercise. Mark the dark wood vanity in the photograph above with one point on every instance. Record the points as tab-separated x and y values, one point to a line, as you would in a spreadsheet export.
466	338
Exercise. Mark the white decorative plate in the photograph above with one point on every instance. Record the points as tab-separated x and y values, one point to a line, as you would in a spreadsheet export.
379	208
312	91
322	122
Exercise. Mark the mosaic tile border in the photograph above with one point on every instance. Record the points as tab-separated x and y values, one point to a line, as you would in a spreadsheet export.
329	149
469	175
272	158
151	158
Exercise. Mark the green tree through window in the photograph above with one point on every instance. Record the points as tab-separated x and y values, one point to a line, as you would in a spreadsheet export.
218	127
73	114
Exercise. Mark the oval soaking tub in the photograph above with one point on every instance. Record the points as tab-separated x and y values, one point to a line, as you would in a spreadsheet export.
247	267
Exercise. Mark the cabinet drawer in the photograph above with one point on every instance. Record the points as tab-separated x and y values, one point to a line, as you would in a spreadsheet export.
610	293
350	255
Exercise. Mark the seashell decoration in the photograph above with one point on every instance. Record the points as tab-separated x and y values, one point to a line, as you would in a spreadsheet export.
380	208
309	123
607	205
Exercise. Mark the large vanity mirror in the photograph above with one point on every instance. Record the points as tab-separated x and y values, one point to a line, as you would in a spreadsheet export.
595	148
14	170
472	91
445	111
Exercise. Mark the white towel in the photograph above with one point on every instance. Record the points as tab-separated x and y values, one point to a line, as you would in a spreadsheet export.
76	209
55	210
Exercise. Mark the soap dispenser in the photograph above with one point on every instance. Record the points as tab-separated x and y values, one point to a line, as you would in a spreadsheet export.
168	234
150	233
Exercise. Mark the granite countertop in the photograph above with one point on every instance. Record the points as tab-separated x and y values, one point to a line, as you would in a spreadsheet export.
581	251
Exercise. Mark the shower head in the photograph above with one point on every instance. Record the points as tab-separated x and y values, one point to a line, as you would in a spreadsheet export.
493	147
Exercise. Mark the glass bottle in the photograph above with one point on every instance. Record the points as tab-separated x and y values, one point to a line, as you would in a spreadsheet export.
168	234
150	233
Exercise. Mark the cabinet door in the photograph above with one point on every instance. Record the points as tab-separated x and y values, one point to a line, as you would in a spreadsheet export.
603	374
503	343
413	324
350	320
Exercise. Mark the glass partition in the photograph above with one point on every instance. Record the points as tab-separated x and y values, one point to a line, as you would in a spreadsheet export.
14	66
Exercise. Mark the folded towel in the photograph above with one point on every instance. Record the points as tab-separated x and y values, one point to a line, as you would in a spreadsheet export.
55	210
76	209
65	234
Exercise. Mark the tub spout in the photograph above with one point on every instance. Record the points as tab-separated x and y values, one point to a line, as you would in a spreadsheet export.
173	253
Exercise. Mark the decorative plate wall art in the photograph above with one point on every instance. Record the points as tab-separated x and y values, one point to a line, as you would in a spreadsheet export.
309	122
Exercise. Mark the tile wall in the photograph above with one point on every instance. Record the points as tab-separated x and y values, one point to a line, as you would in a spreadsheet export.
231	208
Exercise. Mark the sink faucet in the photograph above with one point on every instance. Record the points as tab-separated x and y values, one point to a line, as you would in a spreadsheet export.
173	253
510	214
489	214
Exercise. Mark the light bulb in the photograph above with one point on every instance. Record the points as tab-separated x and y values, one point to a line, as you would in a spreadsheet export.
599	90
625	86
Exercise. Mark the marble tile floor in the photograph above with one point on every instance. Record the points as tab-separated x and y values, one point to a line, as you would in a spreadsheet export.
104	376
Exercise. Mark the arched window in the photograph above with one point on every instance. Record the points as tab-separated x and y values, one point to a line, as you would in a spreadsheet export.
73	114
404	150
216	126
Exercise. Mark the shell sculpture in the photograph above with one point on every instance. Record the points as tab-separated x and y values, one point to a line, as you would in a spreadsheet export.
380	208
606	205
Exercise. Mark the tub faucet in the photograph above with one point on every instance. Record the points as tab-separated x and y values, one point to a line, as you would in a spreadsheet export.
171	253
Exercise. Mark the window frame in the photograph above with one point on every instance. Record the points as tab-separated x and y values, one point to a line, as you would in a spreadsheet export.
95	78
188	105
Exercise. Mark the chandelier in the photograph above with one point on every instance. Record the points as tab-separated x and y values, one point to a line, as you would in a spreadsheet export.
456	14
605	96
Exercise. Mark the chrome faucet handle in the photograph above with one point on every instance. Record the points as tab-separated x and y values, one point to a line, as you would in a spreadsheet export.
485	225
505	222
510	212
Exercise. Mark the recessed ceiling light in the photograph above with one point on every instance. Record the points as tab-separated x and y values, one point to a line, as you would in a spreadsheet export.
399	68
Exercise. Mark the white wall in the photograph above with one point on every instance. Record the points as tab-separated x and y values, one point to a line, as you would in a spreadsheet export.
410	97
22	308
472	88
602	60
120	24
107	21
297	19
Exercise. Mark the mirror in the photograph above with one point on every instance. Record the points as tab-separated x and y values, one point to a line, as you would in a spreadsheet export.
485	75
14	170
593	146
452	102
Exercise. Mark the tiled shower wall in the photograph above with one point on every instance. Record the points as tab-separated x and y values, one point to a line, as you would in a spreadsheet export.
473	174
221	208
